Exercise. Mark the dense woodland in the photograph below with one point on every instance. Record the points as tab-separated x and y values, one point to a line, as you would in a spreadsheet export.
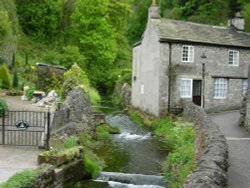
95	34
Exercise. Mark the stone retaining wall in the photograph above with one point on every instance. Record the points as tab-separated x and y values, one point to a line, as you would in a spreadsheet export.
64	176
211	151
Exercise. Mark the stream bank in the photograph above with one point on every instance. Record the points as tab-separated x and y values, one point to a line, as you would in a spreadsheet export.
133	158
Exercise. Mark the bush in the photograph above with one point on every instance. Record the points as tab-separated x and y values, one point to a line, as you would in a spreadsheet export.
29	92
5	77
70	142
94	96
77	77
102	132
92	163
135	116
71	55
3	107
15	80
180	138
48	78
22	179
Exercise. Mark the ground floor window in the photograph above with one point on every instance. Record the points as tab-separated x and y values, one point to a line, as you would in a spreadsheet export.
220	88
186	88
244	86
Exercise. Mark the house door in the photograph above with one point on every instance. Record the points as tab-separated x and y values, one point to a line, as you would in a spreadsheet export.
197	92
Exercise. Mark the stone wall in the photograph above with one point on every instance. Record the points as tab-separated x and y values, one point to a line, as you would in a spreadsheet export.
245	108
64	176
75	114
211	151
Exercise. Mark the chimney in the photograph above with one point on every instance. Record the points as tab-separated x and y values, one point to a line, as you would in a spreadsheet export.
237	22
154	11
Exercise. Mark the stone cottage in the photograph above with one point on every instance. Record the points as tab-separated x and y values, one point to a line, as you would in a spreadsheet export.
168	68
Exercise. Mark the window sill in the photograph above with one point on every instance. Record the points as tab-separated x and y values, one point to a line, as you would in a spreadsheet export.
186	97
230	65
220	98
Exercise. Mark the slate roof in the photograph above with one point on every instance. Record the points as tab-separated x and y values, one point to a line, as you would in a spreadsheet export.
181	31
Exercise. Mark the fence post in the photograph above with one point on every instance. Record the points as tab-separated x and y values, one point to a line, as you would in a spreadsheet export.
48	130
3	127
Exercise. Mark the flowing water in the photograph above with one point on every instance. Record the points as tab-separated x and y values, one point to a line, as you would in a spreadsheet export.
133	158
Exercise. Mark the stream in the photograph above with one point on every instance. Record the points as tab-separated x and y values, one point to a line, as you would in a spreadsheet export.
133	158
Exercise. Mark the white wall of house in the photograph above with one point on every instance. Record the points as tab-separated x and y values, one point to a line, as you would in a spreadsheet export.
146	64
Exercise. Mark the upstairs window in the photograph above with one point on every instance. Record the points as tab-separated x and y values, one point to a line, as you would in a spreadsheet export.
186	88
233	57
220	88
244	86
187	54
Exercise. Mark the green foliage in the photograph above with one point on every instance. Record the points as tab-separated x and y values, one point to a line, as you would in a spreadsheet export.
179	138
40	19
3	106
123	76
22	179
72	55
91	163
96	38
74	77
138	19
29	92
77	77
5	26
102	132
135	116
48	78
70	142
5	77
94	96
52	57
15	80
246	13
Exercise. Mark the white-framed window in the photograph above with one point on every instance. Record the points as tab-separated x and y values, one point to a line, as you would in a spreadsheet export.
186	88
220	88
187	54
233	57
244	86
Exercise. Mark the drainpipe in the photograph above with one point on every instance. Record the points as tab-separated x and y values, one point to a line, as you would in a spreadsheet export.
169	75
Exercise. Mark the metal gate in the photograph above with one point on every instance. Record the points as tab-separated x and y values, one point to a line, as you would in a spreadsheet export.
25	128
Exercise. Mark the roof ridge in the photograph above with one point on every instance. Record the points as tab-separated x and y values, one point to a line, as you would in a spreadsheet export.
195	23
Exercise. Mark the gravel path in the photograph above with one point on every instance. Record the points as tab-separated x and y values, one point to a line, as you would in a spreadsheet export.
15	103
239	148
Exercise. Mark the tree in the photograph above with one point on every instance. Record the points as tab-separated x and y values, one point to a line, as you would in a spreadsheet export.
95	37
40	19
138	19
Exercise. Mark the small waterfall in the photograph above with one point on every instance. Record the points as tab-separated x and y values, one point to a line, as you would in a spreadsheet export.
124	180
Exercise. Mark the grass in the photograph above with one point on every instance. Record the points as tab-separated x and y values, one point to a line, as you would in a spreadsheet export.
179	137
92	163
104	131
22	179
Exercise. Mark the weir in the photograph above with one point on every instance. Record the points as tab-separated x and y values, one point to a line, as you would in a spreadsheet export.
121	179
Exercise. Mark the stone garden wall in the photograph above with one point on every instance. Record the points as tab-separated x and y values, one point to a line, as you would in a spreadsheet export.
211	151
74	114
64	176
245	108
